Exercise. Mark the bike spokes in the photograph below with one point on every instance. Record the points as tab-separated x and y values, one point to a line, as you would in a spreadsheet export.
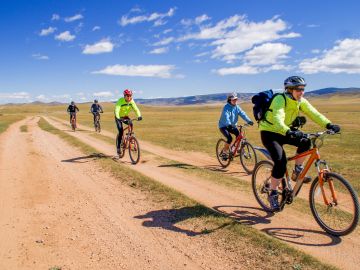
248	157
224	157
334	204
134	150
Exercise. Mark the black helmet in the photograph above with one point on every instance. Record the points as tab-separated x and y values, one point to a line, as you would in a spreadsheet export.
72	103
294	81
95	101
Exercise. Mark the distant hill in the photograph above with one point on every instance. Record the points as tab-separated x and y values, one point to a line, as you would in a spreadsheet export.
244	97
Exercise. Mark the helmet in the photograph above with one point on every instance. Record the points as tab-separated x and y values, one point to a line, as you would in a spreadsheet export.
127	92
95	101
232	96
294	81
72	103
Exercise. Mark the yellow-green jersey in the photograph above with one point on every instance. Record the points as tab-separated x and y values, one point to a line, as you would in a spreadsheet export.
123	108
281	114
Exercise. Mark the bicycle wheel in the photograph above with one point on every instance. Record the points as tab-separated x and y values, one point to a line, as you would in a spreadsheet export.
341	215
122	147
73	125
248	157
223	158
261	180
98	127
134	150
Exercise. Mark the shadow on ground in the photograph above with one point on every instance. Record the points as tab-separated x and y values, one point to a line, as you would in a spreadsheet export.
83	159
296	236
169	218
244	214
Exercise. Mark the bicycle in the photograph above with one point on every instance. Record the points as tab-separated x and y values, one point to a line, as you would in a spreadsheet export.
129	142
333	201
97	122
241	147
73	121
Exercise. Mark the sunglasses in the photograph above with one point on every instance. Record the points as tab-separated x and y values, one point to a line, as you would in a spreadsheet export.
299	89
127	95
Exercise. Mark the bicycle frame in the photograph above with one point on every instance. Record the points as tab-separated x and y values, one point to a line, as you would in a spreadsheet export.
129	132
314	157
236	145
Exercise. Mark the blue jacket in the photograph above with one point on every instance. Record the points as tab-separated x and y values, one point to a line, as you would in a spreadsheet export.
230	115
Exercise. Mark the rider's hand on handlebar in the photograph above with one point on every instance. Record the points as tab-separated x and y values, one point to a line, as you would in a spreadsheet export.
295	134
139	118
250	123
332	127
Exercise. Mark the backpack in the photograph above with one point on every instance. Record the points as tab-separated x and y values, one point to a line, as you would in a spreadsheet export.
262	102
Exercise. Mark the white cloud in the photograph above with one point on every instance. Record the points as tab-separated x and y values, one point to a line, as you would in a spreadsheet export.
159	50
164	41
74	18
55	17
65	36
95	28
103	46
42	97
267	54
167	31
47	31
160	71
125	20
243	69
159	22
313	25
315	51
344	57
16	95
103	94
236	34
39	56
198	20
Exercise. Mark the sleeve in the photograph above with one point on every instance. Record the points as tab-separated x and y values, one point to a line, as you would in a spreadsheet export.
278	110
68	109
91	109
227	114
313	114
135	108
101	109
243	115
117	109
76	108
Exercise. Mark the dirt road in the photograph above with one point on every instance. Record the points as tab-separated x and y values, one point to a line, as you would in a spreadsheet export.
59	209
301	232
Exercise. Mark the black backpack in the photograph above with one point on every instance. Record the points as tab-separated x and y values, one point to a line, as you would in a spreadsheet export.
262	102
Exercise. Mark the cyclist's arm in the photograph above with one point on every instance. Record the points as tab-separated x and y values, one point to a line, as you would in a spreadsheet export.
101	109
313	114
76	109
278	110
68	109
243	115
135	108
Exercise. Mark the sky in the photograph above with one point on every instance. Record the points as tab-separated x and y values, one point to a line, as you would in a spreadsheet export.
82	50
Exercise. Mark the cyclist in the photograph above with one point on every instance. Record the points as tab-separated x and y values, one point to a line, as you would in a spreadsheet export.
122	109
275	131
96	109
72	109
229	119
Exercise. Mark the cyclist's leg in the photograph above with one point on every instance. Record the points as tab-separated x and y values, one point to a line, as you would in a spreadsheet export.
303	145
228	137
94	115
274	142
119	126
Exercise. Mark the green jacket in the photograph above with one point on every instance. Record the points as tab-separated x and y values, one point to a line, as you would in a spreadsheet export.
123	108
279	117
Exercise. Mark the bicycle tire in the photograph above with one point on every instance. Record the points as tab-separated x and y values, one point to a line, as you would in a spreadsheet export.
134	150
73	126
247	153
261	187
348	213
219	148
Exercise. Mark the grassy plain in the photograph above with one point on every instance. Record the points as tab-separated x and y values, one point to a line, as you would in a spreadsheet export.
194	128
